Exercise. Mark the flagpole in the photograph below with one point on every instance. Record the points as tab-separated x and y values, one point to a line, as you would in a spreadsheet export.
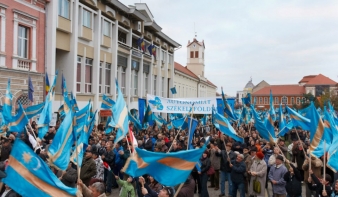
281	131
178	132
300	141
77	160
324	175
191	116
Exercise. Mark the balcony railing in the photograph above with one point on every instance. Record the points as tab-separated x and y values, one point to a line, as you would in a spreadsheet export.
24	64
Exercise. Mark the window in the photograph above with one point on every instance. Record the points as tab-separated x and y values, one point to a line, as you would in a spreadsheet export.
64	8
163	86
284	100
276	100
87	18
191	54
145	83
78	74
23	99
23	42
100	79
108	78
202	55
265	100
155	76
260	100
122	37
123	81
298	101
135	84
292	100
106	28
163	56
118	76
196	54
88	75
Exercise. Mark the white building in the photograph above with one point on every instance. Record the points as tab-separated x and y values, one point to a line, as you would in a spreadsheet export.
95	42
190	80
247	89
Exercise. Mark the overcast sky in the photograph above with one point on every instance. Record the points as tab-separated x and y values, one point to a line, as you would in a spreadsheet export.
275	41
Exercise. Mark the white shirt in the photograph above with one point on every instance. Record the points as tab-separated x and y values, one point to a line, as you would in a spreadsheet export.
5	192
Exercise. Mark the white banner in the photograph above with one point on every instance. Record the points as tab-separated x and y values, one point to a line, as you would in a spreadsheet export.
181	105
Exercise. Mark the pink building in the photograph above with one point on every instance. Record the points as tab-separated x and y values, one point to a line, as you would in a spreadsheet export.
22	48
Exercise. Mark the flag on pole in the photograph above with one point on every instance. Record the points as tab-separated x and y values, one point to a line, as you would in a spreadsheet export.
19	121
47	84
30	89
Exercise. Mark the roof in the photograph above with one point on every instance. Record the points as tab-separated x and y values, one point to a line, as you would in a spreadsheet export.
209	82
307	78
249	84
188	72
293	89
196	41
321	80
185	70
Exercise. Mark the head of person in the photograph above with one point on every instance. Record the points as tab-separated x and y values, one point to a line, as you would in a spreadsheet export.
146	136
281	142
228	146
205	154
239	158
130	179
276	150
336	186
279	159
253	151
159	137
89	154
95	155
245	150
166	192
327	179
97	189
259	156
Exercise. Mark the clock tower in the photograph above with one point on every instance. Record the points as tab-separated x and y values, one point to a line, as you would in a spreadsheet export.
195	57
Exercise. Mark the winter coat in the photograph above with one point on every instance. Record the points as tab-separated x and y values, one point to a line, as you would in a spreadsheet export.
205	165
317	186
187	189
259	167
316	166
237	172
293	182
225	167
88	170
109	157
298	156
215	161
126	188
277	173
148	145
267	154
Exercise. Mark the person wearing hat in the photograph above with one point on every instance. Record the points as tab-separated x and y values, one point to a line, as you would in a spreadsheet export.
282	146
147	192
88	168
127	187
258	171
276	176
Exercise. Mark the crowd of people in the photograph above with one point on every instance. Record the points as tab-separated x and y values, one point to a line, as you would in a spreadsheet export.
249	167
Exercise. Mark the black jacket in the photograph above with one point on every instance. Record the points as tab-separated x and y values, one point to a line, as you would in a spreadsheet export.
318	187
109	157
225	167
237	172
205	164
148	145
293	182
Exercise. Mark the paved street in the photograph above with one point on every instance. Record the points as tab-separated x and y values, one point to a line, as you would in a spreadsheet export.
213	193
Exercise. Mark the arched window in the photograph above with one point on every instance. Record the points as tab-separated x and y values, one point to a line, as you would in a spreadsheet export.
298	101
292	100
284	100
260	100
276	100
266	100
23	99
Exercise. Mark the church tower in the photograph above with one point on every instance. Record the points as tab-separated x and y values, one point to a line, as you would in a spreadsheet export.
195	57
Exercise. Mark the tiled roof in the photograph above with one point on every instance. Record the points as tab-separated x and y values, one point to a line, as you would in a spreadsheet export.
209	82
307	78
185	70
281	90
321	80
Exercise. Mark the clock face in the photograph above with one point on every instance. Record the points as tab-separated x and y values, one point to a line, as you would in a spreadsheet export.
194	46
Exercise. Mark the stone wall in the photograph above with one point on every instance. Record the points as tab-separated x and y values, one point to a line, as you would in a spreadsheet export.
19	85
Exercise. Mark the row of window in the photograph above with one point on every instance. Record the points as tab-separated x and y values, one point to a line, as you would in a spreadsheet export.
105	79
284	100
185	91
194	54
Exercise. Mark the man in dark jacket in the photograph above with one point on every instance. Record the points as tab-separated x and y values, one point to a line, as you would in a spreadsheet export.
88	168
148	144
69	177
293	181
226	156
237	175
109	158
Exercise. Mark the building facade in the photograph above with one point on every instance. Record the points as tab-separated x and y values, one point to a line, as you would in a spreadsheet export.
95	42
293	94
22	49
190	80
247	89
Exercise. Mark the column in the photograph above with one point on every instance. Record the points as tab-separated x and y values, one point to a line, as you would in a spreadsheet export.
96	61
